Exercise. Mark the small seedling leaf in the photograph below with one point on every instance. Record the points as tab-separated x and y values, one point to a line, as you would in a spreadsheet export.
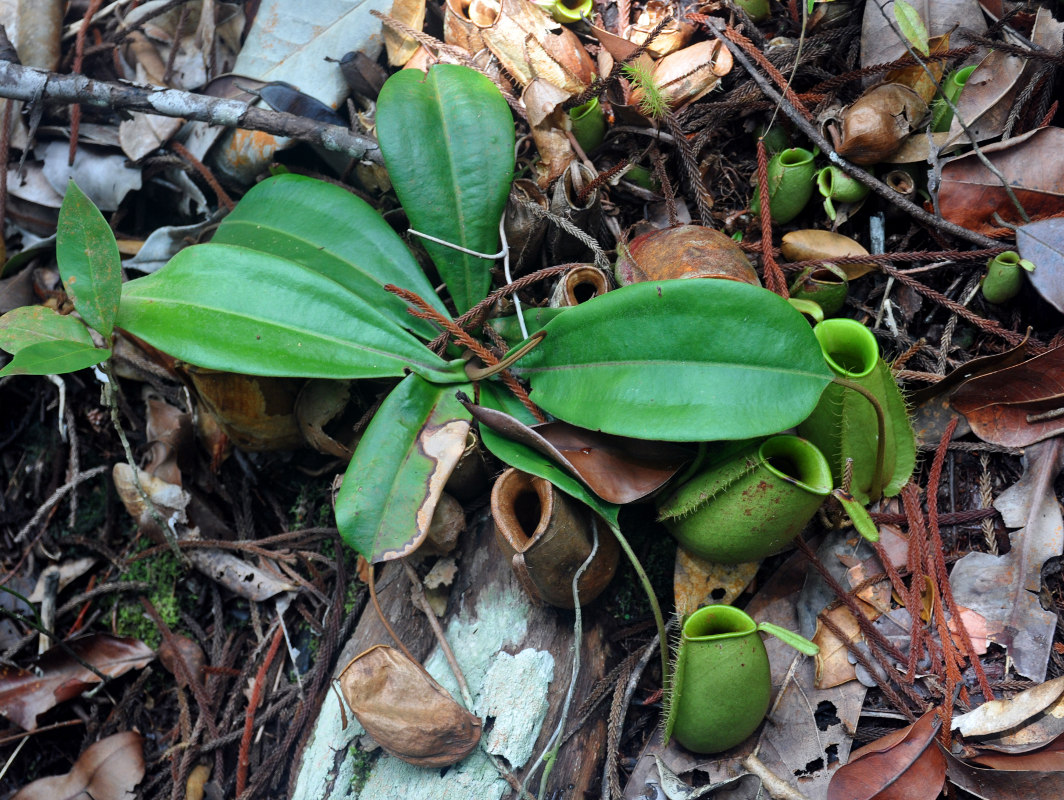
27	325
912	26
88	258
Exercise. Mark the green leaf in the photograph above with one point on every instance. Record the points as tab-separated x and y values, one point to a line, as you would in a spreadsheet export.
683	360
54	358
329	230
522	457
912	26
88	258
858	515
448	142
391	487
234	309
28	325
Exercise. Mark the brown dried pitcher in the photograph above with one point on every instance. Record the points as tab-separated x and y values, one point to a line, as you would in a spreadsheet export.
547	536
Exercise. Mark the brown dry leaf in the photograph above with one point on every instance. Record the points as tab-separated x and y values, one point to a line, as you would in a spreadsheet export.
319	403
969	370
670	38
543	101
1042	243
817	245
970	194
530	45
990	91
916	77
406	711
974	626
616	468
57	676
996	716
182	657
833	667
895	545
110	769
1043	759
690	74
1004	589
401	47
1024	783
880	43
1007	407
256	413
904	765
697	582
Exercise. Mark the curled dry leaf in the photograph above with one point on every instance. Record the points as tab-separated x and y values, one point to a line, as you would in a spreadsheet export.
406	711
1014	406
697	582
110	769
530	45
996	716
671	38
1046	758
970	194
1004	783
916	77
817	245
58	676
908	762
543	101
687	251
876	125
616	468
690	74
183	658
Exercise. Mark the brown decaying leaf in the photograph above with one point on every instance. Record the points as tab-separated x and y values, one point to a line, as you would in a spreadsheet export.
1038	730
529	44
833	668
182	657
916	77
616	468
1004	407
1005	784
990	91
697	582
1045	759
543	101
671	38
904	765
57	675
256	413
879	42
110	769
401	47
818	245
970	194
876	124
969	370
1042	243
996	716
406	711
1004	589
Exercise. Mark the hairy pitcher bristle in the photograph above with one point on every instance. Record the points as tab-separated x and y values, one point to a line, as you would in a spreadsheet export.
653	103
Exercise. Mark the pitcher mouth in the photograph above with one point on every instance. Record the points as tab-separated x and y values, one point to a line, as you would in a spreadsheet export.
718	622
849	347
797	461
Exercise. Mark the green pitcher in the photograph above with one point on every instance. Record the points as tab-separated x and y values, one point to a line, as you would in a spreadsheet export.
844	423
750	501
721	684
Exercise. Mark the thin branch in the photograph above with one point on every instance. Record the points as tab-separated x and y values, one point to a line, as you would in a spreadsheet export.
25	83
859	174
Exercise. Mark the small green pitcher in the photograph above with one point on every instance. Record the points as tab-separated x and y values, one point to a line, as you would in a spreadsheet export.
721	684
749	502
790	184
844	423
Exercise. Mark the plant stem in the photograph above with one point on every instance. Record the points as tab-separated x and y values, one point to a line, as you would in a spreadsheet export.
659	620
881	431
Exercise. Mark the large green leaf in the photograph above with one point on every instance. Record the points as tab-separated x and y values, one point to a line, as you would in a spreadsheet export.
329	230
240	310
89	263
27	325
391	488
522	457
448	142
683	360
54	358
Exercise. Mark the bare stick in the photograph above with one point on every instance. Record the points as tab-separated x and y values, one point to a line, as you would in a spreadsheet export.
25	83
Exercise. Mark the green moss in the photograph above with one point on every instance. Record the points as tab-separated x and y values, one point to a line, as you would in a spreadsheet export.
362	764
161	572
